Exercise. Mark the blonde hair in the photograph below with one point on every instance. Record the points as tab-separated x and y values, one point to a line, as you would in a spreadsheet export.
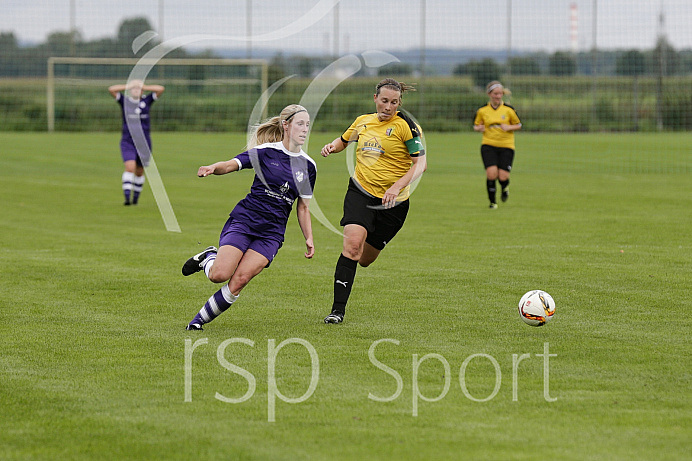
392	84
494	84
272	130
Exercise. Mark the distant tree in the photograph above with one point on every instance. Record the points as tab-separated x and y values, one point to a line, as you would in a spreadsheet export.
9	54
484	71
304	66
562	64
105	47
631	63
62	43
129	30
277	67
459	70
8	42
685	58
397	68
524	66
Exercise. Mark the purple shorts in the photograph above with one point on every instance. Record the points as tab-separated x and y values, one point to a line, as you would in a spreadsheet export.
239	235
129	152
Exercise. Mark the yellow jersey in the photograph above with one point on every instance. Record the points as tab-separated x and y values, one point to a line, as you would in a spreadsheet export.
384	151
492	118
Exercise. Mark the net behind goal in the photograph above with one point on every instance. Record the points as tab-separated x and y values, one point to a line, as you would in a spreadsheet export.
201	94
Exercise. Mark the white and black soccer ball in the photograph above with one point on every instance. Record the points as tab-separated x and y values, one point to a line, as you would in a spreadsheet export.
536	308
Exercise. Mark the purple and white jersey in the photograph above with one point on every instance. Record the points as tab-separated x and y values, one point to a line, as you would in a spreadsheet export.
133	111
280	178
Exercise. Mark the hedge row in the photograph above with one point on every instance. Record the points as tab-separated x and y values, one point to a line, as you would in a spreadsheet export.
550	104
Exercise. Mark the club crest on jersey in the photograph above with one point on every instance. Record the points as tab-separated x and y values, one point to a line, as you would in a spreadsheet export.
389	131
284	187
299	176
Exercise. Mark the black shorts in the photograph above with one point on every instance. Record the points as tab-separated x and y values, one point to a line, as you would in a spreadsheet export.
501	157
382	224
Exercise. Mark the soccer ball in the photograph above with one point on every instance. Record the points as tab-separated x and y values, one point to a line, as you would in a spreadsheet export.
536	308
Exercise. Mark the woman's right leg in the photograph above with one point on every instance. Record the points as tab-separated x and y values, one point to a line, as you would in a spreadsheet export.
224	266
128	179
491	174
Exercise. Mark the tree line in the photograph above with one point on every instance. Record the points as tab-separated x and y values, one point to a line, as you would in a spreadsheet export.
662	60
31	61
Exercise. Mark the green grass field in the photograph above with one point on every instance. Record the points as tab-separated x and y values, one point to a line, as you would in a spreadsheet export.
95	358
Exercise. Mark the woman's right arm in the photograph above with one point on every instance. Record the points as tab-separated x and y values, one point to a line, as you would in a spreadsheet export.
218	168
333	147
478	123
115	89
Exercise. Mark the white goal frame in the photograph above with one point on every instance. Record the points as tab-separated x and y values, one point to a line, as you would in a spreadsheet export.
52	61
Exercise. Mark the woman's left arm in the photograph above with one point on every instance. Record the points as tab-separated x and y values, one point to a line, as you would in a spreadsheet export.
158	89
303	211
506	127
420	164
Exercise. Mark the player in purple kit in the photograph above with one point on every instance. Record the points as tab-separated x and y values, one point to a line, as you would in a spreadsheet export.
135	111
255	229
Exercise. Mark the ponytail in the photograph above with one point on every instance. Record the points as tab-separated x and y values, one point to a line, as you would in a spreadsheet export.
272	130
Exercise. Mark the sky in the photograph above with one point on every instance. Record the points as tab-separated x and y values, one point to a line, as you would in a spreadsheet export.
350	26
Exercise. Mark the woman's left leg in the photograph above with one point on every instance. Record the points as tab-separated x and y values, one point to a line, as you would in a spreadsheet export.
503	179
504	167
137	184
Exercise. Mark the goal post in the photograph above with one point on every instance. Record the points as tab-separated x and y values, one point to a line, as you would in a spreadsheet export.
202	94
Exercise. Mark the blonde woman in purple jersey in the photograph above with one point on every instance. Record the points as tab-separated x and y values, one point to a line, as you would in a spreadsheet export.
254	231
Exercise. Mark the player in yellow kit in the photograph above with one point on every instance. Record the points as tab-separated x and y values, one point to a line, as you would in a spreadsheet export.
389	157
498	122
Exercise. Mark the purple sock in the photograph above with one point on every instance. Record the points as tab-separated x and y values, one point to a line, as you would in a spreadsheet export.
216	304
197	320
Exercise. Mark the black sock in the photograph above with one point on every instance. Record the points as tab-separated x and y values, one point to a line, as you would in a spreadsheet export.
344	275
490	184
504	184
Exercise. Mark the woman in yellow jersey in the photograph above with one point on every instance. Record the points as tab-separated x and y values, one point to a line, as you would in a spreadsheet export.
389	157
498	122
